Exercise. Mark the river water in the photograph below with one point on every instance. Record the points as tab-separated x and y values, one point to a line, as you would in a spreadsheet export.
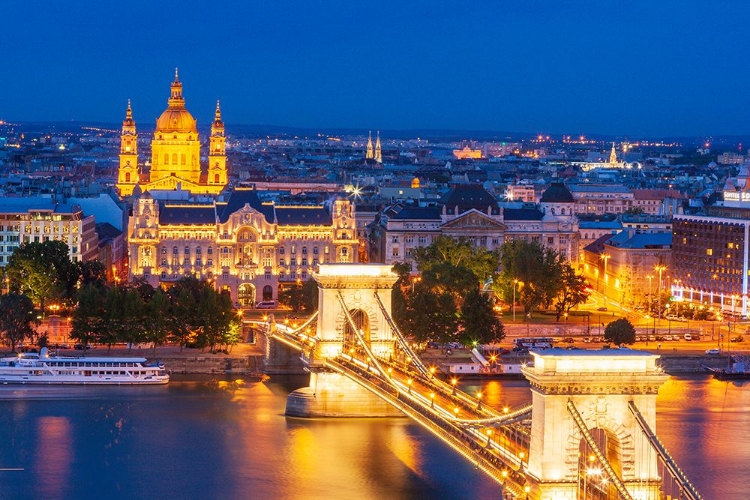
219	439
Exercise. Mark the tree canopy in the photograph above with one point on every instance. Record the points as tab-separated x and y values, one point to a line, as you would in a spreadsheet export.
540	277
620	331
17	318
43	272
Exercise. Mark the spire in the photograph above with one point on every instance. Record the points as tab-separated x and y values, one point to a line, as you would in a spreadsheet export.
175	98
369	154
128	125
613	155
217	127
378	150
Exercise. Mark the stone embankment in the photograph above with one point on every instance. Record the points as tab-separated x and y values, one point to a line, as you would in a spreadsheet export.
227	364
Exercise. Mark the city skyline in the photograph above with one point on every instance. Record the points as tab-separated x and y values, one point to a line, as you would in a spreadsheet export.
670	69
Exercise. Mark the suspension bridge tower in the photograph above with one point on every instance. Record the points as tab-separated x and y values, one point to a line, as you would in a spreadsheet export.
591	413
354	306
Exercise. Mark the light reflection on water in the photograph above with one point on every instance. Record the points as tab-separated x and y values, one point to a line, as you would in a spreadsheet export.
230	439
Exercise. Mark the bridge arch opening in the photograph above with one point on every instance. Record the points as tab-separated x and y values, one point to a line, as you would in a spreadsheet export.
362	324
593	482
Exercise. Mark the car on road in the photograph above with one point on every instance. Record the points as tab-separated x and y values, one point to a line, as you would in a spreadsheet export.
603	308
738	338
713	351
266	304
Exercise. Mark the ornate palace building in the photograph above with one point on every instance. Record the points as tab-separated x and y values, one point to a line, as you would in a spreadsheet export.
244	245
175	152
471	212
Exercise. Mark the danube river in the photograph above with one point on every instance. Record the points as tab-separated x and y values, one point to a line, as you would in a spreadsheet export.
215	439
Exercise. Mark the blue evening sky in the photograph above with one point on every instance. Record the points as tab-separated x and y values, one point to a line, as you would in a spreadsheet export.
644	67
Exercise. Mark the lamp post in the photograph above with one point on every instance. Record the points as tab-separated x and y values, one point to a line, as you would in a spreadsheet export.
650	280
515	283
605	257
660	268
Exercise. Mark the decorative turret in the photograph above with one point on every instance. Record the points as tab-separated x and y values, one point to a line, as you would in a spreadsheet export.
378	150
369	155
127	175
217	159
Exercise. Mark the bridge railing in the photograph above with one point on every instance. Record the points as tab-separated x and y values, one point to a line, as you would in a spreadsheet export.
468	444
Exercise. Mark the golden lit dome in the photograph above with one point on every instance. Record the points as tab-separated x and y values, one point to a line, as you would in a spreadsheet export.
176	118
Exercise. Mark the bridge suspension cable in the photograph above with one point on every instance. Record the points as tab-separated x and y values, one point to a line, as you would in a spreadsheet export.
401	339
619	485
361	339
687	487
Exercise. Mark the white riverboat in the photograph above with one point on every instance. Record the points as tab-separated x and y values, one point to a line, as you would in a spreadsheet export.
41	368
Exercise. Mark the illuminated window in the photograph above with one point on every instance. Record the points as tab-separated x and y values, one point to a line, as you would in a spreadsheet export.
709	251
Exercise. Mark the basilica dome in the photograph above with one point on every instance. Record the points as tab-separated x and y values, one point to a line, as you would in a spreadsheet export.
176	120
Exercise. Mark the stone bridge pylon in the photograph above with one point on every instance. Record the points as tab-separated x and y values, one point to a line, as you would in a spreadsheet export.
346	290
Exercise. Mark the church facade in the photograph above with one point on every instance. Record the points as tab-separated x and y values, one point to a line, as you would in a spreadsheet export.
175	152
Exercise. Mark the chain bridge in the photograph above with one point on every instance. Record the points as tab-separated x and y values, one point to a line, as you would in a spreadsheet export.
588	432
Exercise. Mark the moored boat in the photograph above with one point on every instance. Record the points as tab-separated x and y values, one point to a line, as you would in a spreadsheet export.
736	370
41	368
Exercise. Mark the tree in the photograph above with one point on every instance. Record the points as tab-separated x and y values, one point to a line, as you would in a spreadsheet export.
620	331
43	271
533	270
292	296
157	319
16	318
479	321
430	316
573	291
454	265
88	324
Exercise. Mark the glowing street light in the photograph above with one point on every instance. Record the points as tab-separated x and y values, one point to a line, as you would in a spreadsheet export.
454	381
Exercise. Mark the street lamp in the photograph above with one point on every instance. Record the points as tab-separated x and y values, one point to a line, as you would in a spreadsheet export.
515	282
605	257
660	268
650	280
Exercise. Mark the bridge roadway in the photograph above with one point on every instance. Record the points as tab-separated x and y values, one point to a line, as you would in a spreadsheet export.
494	441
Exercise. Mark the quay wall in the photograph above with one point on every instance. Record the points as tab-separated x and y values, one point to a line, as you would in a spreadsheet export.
251	364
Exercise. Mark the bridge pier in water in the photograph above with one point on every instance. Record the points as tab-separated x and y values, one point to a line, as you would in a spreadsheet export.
346	291
585	420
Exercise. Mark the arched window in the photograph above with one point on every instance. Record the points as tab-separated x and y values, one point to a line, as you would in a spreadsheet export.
163	250
281	251
210	250
174	251
216	178
315	250
174	158
127	176
187	250
166	158
182	159
198	250
304	250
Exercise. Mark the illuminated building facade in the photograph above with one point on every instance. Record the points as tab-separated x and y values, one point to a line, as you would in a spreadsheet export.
175	152
469	211
710	255
40	220
243	245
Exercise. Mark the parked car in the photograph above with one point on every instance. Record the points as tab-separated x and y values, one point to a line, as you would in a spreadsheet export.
688	337
713	351
80	347
266	304
738	338
603	308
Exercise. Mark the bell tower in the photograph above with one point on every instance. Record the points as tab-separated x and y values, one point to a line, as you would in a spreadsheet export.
127	176
217	158
378	150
